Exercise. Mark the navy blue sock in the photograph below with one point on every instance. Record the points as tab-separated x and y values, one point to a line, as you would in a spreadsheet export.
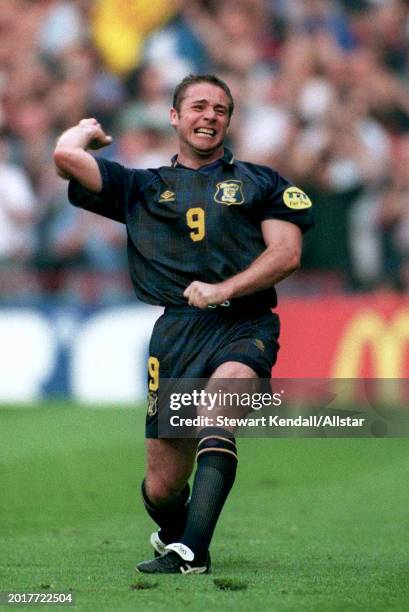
215	474
172	517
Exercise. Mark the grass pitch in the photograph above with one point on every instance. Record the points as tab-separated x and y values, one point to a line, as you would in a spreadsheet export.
311	524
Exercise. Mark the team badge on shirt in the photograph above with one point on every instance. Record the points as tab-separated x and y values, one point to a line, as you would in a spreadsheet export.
152	403
167	196
296	199
229	192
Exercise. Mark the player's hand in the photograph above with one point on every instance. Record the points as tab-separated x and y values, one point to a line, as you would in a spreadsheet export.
203	295
95	134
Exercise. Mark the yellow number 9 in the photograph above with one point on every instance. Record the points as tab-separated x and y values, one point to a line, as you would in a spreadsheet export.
195	218
153	370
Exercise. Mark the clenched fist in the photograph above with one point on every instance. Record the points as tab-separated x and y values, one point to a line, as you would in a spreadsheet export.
95	133
203	295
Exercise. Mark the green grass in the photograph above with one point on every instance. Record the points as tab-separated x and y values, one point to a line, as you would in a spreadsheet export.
311	524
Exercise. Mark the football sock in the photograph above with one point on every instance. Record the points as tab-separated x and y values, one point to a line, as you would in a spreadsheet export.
172	517
215	474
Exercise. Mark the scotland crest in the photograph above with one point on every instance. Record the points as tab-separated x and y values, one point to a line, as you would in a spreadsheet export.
152	403
229	192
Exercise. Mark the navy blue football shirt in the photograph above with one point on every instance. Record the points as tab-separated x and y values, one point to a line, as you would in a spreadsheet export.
185	224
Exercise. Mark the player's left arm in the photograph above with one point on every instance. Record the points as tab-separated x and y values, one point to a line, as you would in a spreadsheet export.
280	258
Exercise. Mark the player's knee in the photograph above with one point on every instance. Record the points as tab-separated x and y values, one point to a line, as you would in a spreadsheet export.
161	492
234	369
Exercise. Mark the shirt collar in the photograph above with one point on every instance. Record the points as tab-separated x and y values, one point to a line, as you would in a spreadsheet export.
227	158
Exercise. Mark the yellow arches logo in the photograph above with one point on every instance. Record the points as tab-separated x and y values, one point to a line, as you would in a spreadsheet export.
388	342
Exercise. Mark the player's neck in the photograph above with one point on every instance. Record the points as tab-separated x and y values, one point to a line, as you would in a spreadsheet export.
195	160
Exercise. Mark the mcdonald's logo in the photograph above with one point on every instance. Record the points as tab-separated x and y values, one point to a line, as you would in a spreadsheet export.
388	342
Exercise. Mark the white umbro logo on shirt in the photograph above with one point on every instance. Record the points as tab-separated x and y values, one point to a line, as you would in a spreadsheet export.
167	196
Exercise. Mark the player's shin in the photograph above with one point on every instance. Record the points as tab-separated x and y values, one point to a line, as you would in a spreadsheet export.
215	475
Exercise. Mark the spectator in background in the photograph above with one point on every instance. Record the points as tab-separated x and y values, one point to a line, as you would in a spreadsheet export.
148	101
394	220
387	97
71	241
17	211
233	32
179	48
379	234
74	74
268	122
348	154
385	32
31	124
63	27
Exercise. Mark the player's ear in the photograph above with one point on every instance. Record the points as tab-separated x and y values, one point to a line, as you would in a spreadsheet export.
174	117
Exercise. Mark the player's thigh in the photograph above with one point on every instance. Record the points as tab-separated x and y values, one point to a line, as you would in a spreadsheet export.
230	382
170	463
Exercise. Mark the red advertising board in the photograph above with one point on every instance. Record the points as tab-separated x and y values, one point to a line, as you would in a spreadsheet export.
344	337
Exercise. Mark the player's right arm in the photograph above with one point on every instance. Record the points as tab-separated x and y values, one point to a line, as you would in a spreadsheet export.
71	158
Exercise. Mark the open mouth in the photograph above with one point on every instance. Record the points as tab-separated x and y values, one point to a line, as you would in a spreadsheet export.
208	132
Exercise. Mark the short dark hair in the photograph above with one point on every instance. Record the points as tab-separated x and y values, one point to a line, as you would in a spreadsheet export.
192	79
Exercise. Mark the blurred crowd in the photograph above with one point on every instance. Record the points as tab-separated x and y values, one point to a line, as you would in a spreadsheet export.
322	95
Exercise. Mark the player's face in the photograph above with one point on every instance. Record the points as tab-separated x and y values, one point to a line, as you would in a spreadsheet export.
203	118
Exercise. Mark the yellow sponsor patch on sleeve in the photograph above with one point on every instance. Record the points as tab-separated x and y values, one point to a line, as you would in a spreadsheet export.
296	199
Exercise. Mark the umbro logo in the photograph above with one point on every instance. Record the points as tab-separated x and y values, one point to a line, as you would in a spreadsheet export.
260	344
167	196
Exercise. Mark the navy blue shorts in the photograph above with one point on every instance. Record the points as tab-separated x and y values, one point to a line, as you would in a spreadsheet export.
190	343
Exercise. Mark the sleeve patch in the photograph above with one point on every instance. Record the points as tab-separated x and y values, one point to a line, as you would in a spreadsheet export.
296	199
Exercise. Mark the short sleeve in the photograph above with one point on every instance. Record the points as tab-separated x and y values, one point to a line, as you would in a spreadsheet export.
111	201
287	202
